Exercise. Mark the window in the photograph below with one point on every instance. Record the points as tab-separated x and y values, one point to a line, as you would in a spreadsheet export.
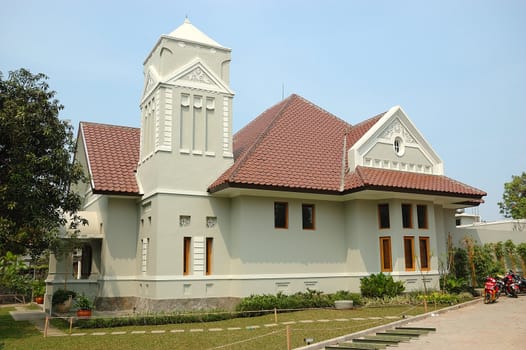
85	261
424	253
409	248
407	217
385	254
186	255
307	211
383	216
209	244
281	215
421	212
398	146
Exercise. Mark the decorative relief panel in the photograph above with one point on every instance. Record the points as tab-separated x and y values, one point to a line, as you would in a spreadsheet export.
396	128
200	76
184	220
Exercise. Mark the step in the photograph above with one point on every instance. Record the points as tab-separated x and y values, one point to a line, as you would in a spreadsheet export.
423	329
398	334
372	339
356	346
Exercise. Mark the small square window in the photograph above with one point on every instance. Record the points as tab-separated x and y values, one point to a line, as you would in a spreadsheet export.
281	215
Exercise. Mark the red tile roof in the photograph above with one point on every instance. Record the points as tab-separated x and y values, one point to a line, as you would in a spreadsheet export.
294	144
297	146
113	153
402	181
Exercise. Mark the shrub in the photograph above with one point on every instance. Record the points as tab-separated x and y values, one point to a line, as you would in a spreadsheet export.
61	295
82	302
380	285
454	284
152	320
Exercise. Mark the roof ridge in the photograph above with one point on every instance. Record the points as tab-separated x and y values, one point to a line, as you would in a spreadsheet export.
323	110
106	124
253	146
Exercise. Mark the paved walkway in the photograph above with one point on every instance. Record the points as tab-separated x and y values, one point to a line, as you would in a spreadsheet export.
38	318
473	325
478	326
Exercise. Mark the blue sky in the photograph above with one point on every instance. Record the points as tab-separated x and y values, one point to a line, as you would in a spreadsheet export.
458	68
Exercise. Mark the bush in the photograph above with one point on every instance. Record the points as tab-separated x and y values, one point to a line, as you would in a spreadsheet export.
61	295
267	302
153	320
446	298
454	284
82	302
380	285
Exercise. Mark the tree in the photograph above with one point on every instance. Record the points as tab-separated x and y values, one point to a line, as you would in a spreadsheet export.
36	166
513	203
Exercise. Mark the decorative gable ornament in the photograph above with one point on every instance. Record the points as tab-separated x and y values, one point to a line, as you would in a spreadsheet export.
199	75
397	129
395	143
152	79
196	75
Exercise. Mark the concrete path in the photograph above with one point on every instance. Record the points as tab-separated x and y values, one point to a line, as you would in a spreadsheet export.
38	318
501	325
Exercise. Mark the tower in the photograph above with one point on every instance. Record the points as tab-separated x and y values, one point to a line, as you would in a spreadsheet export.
186	113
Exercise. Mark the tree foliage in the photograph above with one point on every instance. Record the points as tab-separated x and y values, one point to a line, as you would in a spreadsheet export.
513	203
36	165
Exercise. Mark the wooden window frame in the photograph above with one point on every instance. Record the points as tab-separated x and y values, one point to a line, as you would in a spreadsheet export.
209	246
286	226
383	258
380	221
425	241
411	258
187	244
421	213
410	218
313	216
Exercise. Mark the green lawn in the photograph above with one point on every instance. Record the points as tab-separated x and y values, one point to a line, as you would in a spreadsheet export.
23	335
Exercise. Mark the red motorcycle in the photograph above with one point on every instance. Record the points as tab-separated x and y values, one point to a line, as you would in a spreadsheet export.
519	281
510	287
491	290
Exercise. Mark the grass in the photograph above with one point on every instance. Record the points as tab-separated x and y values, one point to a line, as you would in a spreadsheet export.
23	335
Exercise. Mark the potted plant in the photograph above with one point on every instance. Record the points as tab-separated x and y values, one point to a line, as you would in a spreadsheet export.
83	305
39	289
62	300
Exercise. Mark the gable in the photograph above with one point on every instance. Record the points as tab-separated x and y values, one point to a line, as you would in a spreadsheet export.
152	79
395	143
111	154
197	75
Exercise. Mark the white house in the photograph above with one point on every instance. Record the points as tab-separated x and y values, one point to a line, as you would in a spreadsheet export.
183	214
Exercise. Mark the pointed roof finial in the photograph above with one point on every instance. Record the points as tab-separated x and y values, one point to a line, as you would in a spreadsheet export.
187	31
